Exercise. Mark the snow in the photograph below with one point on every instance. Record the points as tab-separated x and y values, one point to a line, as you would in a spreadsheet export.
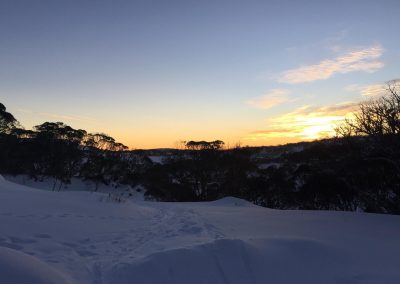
157	159
83	237
76	184
231	201
21	268
269	165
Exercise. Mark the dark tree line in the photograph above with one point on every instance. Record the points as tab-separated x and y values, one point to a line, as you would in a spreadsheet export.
333	174
359	170
200	173
54	149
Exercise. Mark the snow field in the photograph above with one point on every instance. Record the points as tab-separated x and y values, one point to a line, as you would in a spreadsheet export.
81	237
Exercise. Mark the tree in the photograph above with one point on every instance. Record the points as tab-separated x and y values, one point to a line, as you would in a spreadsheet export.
103	161
377	117
378	181
7	120
204	167
60	131
236	166
324	189
104	142
59	150
204	145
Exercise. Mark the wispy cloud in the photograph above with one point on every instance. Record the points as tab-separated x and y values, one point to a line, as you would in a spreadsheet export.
305	123
272	98
366	59
372	90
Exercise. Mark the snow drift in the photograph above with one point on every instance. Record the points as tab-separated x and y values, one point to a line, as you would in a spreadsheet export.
21	268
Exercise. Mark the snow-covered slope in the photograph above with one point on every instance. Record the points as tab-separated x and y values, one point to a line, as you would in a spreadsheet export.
81	237
50	183
77	184
21	268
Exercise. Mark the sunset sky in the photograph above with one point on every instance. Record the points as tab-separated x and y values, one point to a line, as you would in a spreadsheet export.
152	73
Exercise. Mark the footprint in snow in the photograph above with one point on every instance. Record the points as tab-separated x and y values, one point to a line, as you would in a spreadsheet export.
83	252
17	240
11	246
85	241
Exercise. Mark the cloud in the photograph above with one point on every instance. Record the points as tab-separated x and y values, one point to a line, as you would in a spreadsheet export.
374	89
336	109
272	98
305	123
379	89
360	60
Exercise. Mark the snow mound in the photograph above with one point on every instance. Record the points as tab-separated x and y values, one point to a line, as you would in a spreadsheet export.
18	267
232	201
282	260
1	178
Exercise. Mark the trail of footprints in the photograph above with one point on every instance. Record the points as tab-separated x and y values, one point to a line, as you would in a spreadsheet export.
129	242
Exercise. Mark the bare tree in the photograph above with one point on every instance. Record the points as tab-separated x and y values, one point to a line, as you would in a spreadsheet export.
375	117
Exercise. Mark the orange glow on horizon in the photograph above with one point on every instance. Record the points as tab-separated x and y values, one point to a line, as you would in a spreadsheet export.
304	124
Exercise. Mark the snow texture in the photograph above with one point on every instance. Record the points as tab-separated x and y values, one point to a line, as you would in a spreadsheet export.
82	237
21	268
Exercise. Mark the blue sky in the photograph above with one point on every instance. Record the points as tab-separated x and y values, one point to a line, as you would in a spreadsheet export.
152	73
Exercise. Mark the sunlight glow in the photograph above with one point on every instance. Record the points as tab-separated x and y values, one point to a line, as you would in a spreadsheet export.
305	123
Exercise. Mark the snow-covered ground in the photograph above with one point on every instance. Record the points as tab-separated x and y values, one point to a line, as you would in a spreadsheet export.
82	237
157	159
48	183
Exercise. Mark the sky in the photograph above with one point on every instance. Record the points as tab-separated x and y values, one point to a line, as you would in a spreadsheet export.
154	73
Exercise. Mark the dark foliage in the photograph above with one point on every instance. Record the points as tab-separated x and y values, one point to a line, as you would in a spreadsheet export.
349	173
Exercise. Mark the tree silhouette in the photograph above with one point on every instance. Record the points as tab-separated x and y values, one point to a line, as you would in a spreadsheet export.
7	120
204	145
59	150
377	117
